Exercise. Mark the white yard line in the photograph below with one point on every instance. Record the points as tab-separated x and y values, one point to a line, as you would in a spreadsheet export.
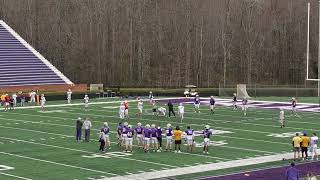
56	163
202	168
18	177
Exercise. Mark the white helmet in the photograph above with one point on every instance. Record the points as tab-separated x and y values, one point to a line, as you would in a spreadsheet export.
234	94
293	98
244	97
86	95
150	92
125	123
129	126
79	118
139	124
105	124
181	104
197	95
147	126
153	125
168	125
211	97
207	127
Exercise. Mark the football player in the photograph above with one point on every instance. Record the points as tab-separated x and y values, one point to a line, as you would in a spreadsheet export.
139	135
181	111
169	137
206	142
197	104
189	135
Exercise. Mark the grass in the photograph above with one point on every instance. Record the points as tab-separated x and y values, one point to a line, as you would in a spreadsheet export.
42	145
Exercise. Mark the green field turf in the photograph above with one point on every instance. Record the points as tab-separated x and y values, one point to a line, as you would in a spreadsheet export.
42	145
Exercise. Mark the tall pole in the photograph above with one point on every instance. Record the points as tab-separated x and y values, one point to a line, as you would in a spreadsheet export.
308	34
319	55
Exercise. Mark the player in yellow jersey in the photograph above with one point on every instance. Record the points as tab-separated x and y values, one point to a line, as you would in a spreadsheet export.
296	143
304	145
177	135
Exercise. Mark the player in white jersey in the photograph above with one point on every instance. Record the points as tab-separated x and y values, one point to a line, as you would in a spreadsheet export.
181	111
86	101
43	102
314	146
121	110
162	111
69	94
33	97
14	96
140	108
281	118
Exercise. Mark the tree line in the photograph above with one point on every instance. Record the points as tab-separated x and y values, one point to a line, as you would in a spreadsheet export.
170	43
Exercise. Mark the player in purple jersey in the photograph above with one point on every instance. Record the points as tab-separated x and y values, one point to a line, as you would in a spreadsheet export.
119	132
154	140
159	137
244	105
129	139
124	134
139	136
106	130
189	135
212	104
206	135
147	135
169	133
294	106
197	104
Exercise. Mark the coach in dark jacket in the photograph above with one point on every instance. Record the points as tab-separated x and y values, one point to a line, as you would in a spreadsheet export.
170	107
79	124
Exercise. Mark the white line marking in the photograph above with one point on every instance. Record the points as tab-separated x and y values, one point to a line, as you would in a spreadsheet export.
19	177
202	168
56	163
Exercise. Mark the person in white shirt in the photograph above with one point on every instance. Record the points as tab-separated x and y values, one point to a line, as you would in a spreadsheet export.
140	108
69	94
33	97
162	111
281	118
14	96
121	110
43	102
181	111
314	146
87	126
86	101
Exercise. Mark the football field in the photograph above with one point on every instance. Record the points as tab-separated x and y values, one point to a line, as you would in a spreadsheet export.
42	145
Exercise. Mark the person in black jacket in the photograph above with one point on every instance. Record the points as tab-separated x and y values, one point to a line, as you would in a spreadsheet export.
170	106
79	124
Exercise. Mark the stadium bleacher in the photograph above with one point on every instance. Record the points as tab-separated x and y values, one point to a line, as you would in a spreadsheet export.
22	65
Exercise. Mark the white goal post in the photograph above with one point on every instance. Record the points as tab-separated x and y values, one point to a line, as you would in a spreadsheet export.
242	91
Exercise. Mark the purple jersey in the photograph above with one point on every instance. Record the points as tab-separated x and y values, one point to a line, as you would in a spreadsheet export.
207	133
139	129
169	131
106	130
189	131
146	132
212	101
159	132
130	132
124	130
197	100
153	132
244	101
119	129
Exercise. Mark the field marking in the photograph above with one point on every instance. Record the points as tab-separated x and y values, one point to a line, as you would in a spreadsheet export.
90	103
56	163
19	177
202	168
202	119
230	147
83	151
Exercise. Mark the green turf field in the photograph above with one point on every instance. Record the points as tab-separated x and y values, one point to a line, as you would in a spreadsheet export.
42	145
